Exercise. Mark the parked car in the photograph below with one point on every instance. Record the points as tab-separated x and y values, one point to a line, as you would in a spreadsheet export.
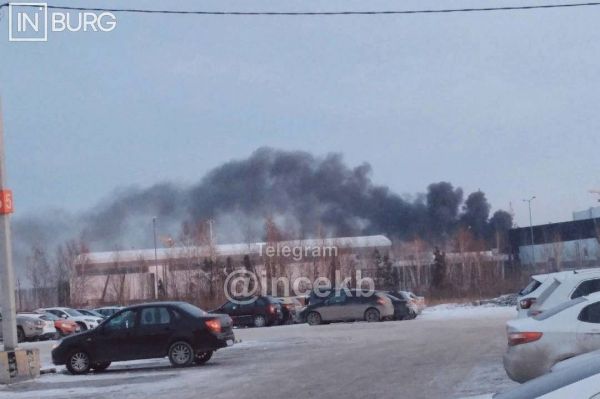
578	379
63	326
290	308
349	305
183	332
31	327
536	344
89	312
545	291
258	311
84	322
401	308
49	330
415	303
108	311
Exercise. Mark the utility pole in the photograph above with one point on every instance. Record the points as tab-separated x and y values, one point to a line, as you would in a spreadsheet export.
7	275
531	230
155	259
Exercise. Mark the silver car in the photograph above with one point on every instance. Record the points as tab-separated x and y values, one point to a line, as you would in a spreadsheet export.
350	305
31	327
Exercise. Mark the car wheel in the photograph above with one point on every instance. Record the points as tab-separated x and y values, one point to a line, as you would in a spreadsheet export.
260	321
313	319
372	315
78	362
203	357
100	366
412	315
20	334
181	354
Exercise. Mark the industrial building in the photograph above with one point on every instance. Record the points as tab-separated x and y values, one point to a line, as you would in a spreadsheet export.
559	246
138	275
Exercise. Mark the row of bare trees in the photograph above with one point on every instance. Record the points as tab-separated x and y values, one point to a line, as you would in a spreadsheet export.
52	277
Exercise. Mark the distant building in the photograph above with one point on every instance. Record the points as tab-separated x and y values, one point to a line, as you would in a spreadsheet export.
119	277
592	213
565	245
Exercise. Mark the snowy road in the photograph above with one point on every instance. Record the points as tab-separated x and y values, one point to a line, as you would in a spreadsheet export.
446	353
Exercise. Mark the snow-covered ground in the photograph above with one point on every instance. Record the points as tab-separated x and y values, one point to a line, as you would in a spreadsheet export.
450	351
467	311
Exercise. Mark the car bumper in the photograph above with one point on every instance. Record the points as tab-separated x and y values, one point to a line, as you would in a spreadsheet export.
525	362
215	341
58	356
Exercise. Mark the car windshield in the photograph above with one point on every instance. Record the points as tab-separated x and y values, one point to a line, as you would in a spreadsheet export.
192	310
73	312
529	288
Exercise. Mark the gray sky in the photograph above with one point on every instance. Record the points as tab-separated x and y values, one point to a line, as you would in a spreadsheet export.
503	101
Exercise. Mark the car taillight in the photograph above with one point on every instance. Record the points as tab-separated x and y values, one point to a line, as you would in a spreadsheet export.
272	309
518	338
213	325
381	301
526	303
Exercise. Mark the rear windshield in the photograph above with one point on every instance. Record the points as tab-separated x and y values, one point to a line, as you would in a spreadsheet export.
532	286
192	310
559	308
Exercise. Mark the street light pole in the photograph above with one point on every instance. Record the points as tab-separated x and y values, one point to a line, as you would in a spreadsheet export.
155	260
531	230
7	275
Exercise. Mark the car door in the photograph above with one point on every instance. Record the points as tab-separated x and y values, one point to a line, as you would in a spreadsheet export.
232	309
117	339
245	312
154	331
588	328
333	308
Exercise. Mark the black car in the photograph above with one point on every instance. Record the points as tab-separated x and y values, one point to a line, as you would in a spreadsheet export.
183	332
257	311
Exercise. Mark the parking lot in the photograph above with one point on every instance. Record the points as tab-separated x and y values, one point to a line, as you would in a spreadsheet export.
448	352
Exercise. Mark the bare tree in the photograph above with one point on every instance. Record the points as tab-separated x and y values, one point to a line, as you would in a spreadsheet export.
39	274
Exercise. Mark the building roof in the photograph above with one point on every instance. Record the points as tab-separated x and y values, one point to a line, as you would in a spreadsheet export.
555	232
377	241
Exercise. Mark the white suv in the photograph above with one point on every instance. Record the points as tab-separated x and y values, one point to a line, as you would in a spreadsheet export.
84	322
545	291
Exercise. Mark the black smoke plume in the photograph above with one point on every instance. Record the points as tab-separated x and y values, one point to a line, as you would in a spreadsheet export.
304	194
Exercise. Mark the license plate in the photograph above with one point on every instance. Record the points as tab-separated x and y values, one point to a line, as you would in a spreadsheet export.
229	342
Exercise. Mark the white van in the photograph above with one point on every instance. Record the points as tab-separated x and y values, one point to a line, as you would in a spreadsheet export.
545	291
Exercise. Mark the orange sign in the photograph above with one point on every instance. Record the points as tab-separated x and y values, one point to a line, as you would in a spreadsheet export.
6	202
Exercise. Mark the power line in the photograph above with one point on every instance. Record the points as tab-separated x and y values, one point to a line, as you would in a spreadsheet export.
319	13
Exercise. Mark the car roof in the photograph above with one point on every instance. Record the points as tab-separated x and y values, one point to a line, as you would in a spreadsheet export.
566	274
164	303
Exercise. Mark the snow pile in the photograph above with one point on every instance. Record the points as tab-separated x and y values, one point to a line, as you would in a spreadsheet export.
502	300
467	311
